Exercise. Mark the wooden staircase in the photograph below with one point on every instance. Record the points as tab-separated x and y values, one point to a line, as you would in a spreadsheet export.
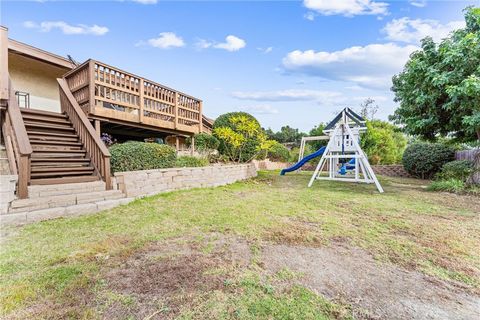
58	154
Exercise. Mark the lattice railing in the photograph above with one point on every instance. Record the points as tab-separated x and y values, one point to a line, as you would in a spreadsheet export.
97	86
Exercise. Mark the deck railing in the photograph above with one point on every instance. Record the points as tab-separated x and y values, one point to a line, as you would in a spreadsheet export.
96	149
108	92
17	144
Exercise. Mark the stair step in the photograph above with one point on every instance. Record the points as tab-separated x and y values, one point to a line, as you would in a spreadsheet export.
59	154
51	134
46	181
41	119
56	143
48	169
60	174
62	200
72	164
49	127
43	112
40	150
56	148
58	160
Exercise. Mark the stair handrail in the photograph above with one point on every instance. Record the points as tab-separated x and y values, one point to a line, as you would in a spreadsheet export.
17	142
94	146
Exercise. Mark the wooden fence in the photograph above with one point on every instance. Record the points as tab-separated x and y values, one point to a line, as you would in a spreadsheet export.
474	156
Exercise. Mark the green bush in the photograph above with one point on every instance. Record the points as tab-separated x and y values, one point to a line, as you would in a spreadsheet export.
450	185
278	152
241	136
204	142
309	149
383	142
134	155
424	160
188	161
225	120
457	169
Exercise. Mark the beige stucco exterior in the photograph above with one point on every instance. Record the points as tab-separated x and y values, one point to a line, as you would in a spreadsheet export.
36	78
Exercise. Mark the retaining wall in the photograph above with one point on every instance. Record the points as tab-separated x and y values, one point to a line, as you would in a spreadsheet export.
150	182
391	170
7	191
270	165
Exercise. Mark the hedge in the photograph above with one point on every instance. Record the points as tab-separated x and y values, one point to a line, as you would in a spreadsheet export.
134	155
424	160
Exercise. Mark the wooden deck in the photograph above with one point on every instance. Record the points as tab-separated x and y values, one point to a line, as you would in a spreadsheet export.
106	92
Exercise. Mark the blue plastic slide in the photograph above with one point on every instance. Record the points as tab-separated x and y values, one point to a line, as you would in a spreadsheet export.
300	163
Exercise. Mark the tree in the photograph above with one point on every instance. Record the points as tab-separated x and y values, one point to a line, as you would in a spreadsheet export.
286	134
439	88
368	109
318	131
383	142
241	137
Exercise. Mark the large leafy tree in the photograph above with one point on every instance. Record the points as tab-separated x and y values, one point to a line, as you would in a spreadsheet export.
439	88
286	134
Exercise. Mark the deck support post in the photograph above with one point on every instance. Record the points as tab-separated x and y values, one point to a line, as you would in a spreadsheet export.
4	90
97	127
177	143
192	147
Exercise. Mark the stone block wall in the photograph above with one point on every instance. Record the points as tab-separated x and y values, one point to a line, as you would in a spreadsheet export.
270	165
150	182
7	191
393	170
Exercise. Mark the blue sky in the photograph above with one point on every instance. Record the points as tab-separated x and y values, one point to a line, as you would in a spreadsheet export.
286	62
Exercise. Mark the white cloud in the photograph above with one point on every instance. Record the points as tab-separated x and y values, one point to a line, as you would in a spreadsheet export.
309	16
166	40
322	97
369	66
146	1
265	50
348	8
203	44
232	43
413	30
259	109
418	3
66	28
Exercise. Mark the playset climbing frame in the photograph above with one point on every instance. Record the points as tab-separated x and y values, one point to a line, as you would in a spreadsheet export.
343	159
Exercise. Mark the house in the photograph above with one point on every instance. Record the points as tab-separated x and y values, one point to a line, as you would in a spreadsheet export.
54	112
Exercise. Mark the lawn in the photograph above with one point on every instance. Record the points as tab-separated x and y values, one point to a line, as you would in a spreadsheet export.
176	250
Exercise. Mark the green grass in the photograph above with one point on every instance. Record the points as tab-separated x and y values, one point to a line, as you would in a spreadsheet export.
435	233
251	298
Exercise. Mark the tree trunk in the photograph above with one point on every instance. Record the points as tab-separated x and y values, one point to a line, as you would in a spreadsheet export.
478	134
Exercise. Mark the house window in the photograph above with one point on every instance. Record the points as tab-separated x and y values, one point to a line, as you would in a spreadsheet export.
23	99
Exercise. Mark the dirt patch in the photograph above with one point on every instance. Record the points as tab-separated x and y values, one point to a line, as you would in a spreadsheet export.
165	278
383	290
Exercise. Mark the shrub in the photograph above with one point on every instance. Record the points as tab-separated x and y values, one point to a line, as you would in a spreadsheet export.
450	185
217	157
278	152
309	149
134	155
457	169
424	160
240	135
204	142
189	161
383	143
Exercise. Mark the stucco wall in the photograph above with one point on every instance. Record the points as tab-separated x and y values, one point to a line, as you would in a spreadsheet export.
150	182
38	79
